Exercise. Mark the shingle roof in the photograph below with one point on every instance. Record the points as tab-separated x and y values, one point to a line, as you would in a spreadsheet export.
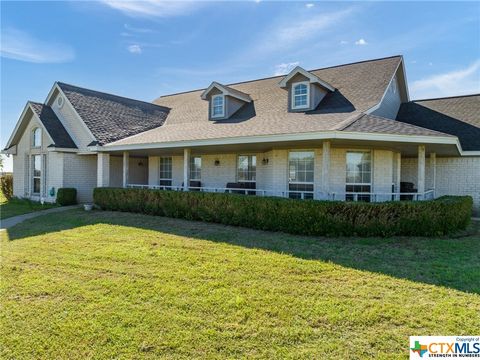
110	117
54	127
359	86
377	124
459	116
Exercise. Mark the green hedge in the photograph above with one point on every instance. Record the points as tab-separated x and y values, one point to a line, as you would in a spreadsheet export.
308	217
67	196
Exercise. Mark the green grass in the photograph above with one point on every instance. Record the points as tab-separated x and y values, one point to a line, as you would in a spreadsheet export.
114	285
16	207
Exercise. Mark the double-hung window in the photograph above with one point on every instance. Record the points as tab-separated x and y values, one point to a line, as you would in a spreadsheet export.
247	168
300	174
218	106
300	95
37	173
359	176
195	168
166	171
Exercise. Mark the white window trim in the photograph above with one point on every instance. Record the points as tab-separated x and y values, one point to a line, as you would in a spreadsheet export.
293	95
160	168
213	106
371	169
33	137
190	165
36	177
247	181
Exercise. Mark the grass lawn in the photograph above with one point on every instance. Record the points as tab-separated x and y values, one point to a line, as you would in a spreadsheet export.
16	207
114	285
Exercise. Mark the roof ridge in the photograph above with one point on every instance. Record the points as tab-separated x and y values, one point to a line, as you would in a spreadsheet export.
110	94
279	76
445	97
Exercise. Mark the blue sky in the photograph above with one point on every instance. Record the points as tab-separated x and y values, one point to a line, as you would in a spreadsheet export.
151	48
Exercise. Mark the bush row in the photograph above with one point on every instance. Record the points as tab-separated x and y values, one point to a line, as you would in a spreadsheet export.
307	217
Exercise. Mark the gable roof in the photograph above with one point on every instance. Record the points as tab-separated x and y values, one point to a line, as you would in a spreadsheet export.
459	116
226	90
54	126
310	76
359	87
111	117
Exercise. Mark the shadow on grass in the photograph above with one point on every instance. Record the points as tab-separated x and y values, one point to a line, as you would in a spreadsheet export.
449	262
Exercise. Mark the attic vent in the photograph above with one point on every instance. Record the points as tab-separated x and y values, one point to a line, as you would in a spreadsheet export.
60	101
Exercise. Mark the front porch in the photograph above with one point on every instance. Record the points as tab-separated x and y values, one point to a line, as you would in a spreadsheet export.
324	170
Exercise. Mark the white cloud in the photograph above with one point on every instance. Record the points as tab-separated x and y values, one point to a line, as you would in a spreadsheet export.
309	5
19	45
457	82
361	42
134	49
152	8
137	29
285	68
287	34
343	42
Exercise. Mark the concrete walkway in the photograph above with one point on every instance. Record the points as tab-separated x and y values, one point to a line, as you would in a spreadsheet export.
14	220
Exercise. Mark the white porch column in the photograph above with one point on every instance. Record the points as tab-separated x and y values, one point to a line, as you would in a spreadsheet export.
326	168
433	164
399	173
125	168
103	170
186	168
421	170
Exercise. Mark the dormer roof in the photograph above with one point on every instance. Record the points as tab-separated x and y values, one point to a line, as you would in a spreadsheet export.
312	78
226	90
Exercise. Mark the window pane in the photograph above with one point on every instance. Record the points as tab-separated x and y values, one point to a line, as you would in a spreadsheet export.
301	173
195	168
36	185
217	105
300	89
37	137
165	168
246	167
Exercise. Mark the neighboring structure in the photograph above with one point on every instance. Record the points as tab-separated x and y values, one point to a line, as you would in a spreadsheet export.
346	132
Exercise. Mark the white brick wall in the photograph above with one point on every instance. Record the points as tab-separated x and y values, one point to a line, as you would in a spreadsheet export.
80	172
455	176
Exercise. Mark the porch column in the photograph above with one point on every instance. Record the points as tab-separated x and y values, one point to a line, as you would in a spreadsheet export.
433	164
399	173
326	168
103	170
125	168
421	171
186	168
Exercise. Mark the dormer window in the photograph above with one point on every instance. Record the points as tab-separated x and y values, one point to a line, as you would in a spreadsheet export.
218	106
300	95
224	101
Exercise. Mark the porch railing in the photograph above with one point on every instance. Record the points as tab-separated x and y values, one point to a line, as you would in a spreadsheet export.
339	196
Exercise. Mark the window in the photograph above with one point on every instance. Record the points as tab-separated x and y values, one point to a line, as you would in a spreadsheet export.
300	174
37	137
195	168
166	171
246	168
37	172
218	106
300	95
359	175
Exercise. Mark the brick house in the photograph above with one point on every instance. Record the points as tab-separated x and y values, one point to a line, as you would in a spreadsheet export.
347	132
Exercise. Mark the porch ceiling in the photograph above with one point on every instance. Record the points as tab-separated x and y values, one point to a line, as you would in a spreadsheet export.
405	148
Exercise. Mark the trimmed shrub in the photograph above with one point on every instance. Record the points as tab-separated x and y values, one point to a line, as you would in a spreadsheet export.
6	186
67	196
307	217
